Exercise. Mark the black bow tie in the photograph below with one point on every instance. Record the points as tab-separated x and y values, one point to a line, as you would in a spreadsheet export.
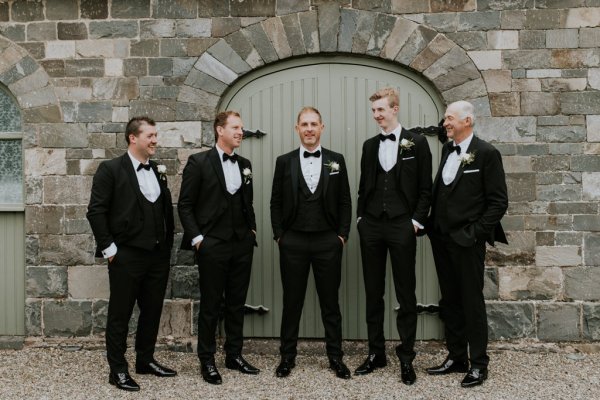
452	148
316	154
145	166
233	158
383	137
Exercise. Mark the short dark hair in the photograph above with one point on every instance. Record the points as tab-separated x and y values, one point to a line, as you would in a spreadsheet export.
221	120
134	124
308	109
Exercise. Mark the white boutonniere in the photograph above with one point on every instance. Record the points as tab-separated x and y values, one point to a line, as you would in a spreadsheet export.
162	171
406	144
466	158
333	166
247	175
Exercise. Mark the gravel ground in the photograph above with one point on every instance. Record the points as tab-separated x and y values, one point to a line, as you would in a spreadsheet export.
517	371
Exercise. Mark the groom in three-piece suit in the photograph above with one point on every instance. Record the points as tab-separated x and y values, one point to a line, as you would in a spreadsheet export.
131	216
394	196
217	214
469	199
310	213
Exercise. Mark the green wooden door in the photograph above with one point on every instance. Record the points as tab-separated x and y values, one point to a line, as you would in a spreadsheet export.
12	234
339	87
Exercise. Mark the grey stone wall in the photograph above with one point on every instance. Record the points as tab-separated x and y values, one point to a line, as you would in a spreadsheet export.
80	68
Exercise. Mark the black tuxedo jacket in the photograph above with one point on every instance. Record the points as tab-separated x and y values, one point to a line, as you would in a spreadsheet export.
336	199
203	195
478	196
413	174
115	208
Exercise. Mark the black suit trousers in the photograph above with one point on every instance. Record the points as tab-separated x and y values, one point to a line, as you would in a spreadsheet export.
135	275
462	306
224	268
377	237
298	251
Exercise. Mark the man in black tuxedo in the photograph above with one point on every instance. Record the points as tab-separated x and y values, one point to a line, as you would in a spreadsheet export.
216	211
393	202
131	216
469	199
310	212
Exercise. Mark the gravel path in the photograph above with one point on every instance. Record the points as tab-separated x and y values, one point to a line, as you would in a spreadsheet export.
525	372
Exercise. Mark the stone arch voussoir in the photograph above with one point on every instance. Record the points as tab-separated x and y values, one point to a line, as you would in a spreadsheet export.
27	80
335	30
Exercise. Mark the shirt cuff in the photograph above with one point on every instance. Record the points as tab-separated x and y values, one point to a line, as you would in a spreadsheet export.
358	219
110	250
418	225
197	239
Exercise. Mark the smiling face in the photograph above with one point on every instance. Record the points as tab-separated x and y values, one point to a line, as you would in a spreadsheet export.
309	128
230	135
457	127
143	145
385	115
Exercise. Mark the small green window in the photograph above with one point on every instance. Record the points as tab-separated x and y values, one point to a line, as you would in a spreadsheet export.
11	152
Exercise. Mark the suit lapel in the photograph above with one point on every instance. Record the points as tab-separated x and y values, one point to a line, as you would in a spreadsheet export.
324	170
131	174
403	135
218	167
294	167
461	168
438	174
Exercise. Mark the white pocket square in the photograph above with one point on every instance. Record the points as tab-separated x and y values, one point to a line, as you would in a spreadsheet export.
334	173
470	171
408	158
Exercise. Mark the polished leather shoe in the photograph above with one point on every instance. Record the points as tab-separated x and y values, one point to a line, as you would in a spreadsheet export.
210	373
154	368
372	362
407	373
449	366
285	367
474	377
123	381
341	370
238	363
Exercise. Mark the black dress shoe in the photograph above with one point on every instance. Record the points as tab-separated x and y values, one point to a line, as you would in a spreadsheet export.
285	367
210	373
474	377
449	366
154	368
341	370
407	373
238	363
123	381
372	362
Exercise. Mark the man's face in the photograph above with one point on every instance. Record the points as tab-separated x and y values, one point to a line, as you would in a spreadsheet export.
230	135
144	144
456	128
385	116
309	129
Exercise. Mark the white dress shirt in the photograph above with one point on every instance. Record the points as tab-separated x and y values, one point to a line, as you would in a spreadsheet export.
453	161
388	149
311	168
233	180
148	186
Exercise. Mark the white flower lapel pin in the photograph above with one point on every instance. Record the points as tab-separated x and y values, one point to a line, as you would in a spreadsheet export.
333	167
466	158
247	175
406	144
162	171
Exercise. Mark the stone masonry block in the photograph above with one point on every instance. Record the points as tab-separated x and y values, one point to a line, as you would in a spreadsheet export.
223	53
591	185
503	39
46	281
490	284
113	29
417	41
507	129
84	68
130	8
25	11
520	250
33	317
161	110
62	9
72	31
176	319
44	219
381	32
157	28
505	104
67	250
591	248
488	59
41	31
476	21
309	24
401	32
184	281
63	135
591	321
518	283
213	67
253	8
562	38
581	283
292	6
89	282
582	17
200	27
275	31
261	43
94	9
67	318
177	134
175	9
559	321
497	80
365	22
439	46
550	256
510	320
329	23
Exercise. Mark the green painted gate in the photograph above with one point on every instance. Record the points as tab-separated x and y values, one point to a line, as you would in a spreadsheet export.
339	87
12	235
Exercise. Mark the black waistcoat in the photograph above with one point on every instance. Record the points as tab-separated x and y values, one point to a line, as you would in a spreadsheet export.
310	215
153	233
386	198
233	221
